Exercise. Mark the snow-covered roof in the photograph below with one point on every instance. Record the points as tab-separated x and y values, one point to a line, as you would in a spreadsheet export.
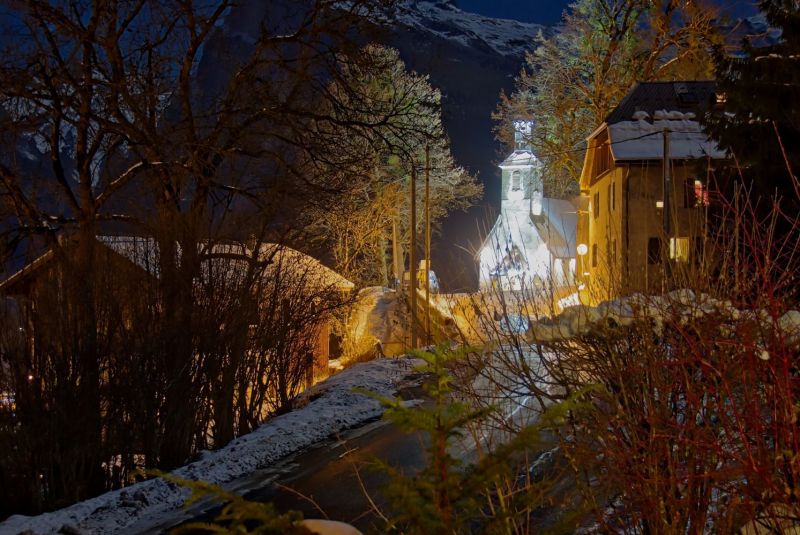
143	252
557	226
642	139
649	97
520	157
313	270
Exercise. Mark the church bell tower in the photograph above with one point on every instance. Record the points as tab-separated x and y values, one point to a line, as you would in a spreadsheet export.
521	175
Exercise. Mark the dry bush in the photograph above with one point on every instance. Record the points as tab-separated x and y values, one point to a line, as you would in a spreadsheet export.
689	420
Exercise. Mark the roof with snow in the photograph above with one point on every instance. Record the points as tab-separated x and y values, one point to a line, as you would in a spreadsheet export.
520	157
143	252
557	226
642	139
636	126
649	97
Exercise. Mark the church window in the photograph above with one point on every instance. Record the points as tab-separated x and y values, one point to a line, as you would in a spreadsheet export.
516	181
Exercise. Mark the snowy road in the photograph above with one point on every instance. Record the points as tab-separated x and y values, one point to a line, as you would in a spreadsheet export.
327	476
331	478
333	408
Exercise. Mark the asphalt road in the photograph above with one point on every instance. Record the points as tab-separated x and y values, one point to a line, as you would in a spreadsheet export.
340	480
335	479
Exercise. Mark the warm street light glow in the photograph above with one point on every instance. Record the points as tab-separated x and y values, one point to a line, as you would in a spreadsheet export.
583	249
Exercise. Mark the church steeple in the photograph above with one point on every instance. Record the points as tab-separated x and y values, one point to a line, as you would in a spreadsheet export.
522	134
521	174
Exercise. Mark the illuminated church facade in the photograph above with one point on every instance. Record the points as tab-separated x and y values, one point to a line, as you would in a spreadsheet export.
532	243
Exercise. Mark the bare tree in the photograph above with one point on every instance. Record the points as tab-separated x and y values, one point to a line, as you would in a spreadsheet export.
111	126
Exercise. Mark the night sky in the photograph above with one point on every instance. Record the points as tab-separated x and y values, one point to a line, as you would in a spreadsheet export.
549	11
539	11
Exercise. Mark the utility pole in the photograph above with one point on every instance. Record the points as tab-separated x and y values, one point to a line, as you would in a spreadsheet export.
667	179
397	256
412	287
427	244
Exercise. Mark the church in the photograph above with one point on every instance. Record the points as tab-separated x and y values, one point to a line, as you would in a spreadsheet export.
532	245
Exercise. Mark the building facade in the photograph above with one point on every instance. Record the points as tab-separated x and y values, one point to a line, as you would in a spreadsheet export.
532	243
630	235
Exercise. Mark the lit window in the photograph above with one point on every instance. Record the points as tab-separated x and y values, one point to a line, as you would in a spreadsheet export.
679	249
700	194
659	204
695	193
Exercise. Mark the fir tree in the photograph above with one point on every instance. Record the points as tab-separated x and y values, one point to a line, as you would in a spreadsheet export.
759	122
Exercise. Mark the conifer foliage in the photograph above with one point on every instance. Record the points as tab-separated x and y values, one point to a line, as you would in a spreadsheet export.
758	89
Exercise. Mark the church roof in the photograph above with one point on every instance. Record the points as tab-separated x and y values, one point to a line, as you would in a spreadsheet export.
557	226
520	157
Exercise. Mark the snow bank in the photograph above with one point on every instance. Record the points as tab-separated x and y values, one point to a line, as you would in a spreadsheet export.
332	407
683	305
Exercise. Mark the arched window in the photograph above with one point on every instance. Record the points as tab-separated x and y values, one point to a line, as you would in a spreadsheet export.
516	181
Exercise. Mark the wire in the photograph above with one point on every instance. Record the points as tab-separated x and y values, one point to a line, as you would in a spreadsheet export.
584	149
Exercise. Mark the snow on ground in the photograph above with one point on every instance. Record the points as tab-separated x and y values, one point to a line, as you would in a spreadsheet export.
683	304
331	408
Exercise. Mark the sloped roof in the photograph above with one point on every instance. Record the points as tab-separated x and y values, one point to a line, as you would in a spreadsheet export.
313	270
649	97
644	140
143	252
558	226
520	157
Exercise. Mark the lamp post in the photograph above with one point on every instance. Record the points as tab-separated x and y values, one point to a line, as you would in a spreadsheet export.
582	249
